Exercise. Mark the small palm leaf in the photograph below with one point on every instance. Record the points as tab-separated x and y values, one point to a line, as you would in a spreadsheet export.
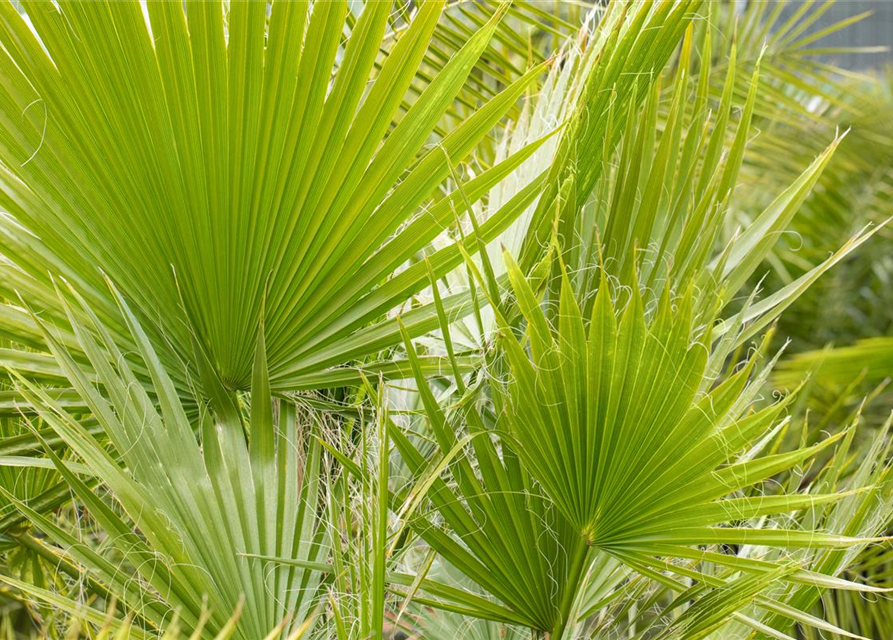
199	505
608	415
617	399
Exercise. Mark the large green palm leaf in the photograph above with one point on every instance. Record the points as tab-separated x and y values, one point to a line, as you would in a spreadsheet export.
219	164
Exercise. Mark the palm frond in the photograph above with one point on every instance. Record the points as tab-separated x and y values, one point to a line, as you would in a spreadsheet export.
256	170
198	507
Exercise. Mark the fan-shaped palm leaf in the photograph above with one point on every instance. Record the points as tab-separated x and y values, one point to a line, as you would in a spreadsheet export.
191	508
216	162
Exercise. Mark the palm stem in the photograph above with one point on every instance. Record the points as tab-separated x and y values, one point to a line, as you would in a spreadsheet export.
579	562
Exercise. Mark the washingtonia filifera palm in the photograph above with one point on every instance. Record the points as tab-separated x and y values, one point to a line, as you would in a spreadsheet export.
266	183
614	401
246	177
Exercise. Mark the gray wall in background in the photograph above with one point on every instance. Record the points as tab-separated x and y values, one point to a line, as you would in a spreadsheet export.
876	30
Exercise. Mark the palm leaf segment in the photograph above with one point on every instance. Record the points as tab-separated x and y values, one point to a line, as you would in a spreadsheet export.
198	506
506	537
254	167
